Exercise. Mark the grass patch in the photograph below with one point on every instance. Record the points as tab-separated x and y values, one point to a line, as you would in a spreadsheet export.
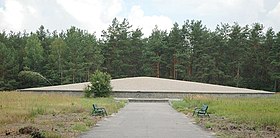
17	107
37	111
256	113
80	127
51	135
208	125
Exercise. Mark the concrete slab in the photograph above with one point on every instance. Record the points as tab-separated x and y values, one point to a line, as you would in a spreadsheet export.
147	120
151	84
77	87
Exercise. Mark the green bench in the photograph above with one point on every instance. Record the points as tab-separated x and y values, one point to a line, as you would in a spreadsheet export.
201	111
98	111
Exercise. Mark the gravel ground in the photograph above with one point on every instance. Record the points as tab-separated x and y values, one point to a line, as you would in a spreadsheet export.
151	84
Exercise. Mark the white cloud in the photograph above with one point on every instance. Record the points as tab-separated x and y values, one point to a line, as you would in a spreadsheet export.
138	19
92	15
213	12
96	15
228	11
11	16
274	17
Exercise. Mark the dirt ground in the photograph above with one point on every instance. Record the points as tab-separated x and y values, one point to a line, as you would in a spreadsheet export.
225	128
55	125
71	125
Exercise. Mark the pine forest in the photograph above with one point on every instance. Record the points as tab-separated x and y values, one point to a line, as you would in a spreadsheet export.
233	55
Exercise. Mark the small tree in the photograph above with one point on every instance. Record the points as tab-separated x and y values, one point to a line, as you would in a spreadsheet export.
100	85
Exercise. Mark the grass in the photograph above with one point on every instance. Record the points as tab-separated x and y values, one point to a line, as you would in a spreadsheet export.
258	112
16	107
81	127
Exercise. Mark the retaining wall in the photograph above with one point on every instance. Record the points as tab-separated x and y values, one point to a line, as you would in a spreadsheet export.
171	95
181	95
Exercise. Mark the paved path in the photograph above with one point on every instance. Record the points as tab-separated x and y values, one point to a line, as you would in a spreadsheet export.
147	120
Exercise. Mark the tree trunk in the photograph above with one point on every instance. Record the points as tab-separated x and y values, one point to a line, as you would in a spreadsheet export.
275	85
74	74
73	77
59	68
190	70
88	75
237	76
61	75
158	67
174	67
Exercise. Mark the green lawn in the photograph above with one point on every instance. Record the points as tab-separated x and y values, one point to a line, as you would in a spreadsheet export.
258	112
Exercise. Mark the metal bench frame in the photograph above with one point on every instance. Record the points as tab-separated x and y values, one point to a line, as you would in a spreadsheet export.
201	111
98	111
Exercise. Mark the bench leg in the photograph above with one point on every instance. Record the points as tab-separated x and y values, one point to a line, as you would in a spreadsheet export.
195	111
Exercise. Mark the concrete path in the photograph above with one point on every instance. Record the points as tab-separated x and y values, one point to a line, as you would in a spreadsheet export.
147	120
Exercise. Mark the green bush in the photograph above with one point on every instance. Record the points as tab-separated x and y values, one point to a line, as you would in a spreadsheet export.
100	85
88	91
31	79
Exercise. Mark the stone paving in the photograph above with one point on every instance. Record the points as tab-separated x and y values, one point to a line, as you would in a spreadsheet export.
147	120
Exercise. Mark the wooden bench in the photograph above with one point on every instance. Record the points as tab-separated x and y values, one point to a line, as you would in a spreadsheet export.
98	110
201	111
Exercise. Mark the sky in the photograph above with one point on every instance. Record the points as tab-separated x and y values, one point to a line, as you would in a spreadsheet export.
97	15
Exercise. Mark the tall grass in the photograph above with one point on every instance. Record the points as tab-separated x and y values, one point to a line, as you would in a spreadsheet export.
259	112
20	107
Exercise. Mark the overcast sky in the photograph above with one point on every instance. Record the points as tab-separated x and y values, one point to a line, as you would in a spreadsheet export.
96	15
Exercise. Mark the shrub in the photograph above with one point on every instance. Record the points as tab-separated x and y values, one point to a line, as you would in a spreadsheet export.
88	91
31	79
100	85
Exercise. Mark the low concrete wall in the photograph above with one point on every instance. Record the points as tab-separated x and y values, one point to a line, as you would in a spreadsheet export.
181	95
170	95
75	93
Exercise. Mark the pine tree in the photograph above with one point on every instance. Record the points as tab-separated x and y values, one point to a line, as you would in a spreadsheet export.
175	46
154	52
34	53
275	63
8	67
57	60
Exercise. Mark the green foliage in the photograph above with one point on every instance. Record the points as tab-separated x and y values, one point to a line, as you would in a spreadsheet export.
88	92
241	56
57	61
8	67
34	53
31	79
122	48
154	53
100	85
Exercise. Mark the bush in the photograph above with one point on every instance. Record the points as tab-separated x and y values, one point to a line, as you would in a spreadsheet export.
31	79
88	91
100	85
